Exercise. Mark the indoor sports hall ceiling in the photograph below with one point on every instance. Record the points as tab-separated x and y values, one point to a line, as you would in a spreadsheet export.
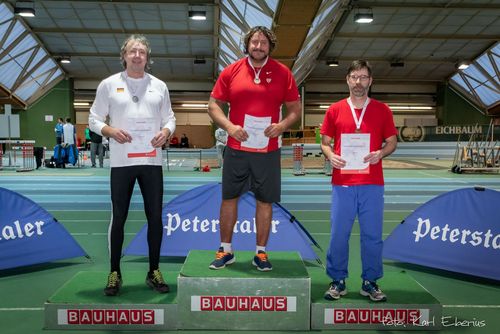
409	42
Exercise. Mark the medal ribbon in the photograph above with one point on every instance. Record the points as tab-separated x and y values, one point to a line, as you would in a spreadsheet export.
257	73
356	120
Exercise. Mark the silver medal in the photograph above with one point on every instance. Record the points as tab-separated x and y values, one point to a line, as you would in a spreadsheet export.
256	80
135	99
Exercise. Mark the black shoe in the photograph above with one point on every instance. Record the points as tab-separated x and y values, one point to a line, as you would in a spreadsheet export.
222	259
155	281
261	261
114	284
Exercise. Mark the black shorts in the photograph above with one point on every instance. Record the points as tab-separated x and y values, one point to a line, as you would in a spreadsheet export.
258	172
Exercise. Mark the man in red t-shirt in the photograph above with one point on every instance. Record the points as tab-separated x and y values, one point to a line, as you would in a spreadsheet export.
255	87
363	132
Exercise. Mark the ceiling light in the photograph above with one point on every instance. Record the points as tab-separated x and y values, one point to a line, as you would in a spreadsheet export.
65	60
363	15
198	15
397	63
408	107
463	65
194	105
332	63
199	60
25	8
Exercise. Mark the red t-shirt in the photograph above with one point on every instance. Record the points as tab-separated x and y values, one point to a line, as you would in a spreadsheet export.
236	86
377	121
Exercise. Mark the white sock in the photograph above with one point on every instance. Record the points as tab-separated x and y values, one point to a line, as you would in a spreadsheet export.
260	248
226	246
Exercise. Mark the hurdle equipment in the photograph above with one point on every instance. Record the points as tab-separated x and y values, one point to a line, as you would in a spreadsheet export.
298	166
327	168
20	155
478	154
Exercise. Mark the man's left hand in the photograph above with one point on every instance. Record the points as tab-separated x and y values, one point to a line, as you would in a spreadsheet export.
373	157
159	140
274	130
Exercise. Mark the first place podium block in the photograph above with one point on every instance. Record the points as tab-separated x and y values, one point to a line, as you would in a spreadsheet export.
239	297
81	304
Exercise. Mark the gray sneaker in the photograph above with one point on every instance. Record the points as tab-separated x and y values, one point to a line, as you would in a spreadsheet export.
336	290
371	289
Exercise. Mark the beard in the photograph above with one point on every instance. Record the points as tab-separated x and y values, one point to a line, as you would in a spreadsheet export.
359	91
257	56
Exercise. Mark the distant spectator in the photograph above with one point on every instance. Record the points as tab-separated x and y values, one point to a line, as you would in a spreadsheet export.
59	130
174	142
220	144
96	148
87	138
69	134
184	141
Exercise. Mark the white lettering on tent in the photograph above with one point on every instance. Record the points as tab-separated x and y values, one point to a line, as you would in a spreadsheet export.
245	227
476	238
169	226
18	231
418	233
175	222
204	225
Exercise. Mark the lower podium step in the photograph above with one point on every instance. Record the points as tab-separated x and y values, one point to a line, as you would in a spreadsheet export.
408	307
81	304
239	297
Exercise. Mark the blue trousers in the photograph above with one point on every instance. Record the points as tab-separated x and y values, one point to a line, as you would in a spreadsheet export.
367	203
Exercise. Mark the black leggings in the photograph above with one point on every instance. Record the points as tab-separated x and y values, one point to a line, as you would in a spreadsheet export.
150	179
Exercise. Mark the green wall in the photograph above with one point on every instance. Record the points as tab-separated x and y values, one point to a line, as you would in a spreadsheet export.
58	102
453	109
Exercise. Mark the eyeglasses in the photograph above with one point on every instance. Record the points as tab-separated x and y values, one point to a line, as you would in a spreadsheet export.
134	51
355	78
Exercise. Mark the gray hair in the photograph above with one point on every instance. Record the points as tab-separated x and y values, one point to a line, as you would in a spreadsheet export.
137	38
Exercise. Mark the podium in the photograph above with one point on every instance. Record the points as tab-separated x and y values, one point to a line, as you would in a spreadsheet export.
81	304
239	297
408	307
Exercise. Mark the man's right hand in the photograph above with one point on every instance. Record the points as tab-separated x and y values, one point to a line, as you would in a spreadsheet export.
336	161
238	133
120	135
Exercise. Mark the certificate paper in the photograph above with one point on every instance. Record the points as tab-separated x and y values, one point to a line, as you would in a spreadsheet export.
142	131
353	148
255	126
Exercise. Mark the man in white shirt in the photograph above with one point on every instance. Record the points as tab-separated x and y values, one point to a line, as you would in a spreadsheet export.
220	144
141	121
68	132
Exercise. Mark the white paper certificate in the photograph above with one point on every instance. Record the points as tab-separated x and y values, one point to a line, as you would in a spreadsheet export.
257	140
142	131
353	148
